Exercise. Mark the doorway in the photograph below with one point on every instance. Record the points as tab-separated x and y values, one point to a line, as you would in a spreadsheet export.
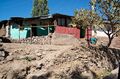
34	31
82	33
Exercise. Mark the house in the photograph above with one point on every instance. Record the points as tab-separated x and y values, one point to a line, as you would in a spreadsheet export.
21	28
106	26
3	28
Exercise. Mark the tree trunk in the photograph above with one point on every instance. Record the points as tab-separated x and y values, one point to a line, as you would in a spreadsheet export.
109	40
88	43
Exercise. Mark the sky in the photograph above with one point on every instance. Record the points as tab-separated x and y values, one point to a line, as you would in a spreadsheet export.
23	8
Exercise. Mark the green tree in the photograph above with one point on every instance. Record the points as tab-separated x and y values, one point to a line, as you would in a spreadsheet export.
86	18
109	11
40	7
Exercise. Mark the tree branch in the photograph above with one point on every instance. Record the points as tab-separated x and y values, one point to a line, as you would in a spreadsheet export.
116	32
103	30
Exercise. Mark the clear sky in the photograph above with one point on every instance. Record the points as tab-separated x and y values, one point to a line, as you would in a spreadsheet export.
23	8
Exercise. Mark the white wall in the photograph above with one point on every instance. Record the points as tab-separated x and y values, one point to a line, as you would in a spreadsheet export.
99	34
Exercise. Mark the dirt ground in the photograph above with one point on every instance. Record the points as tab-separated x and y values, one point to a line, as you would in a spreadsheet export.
63	59
115	42
23	56
34	61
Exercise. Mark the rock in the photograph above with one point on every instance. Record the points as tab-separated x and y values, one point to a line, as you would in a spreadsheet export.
87	75
63	62
113	75
34	40
0	40
2	54
115	71
9	58
44	75
10	75
62	39
16	74
39	54
39	66
31	76
1	44
1	76
1	58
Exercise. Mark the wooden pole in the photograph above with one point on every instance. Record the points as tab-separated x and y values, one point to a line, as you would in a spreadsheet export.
3	33
19	31
49	35
48	29
31	34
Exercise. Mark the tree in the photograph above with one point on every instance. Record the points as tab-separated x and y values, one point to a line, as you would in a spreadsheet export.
85	19
109	11
40	7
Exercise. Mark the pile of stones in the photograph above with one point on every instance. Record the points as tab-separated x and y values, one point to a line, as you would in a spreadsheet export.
35	40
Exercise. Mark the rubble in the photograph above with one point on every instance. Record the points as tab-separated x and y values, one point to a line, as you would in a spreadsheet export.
34	40
29	61
55	39
3	53
59	57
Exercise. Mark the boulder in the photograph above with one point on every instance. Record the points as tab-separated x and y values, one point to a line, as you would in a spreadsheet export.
3	54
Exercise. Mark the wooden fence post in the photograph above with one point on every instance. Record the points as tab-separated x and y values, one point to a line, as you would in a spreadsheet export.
19	32
31	35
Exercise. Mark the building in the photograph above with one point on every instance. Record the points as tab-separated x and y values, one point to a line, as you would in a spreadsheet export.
21	28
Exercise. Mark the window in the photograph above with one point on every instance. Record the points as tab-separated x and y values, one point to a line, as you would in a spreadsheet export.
68	21
61	21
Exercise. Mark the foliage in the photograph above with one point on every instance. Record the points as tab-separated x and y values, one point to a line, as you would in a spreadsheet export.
85	18
109	11
40	7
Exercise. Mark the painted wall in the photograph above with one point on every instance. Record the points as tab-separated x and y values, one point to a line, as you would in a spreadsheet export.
67	30
16	34
25	33
99	34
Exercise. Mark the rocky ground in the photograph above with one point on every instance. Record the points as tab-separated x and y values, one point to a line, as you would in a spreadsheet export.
56	60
